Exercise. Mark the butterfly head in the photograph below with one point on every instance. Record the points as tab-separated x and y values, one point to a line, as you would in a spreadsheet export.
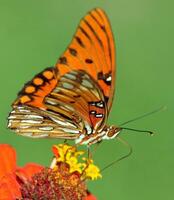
111	132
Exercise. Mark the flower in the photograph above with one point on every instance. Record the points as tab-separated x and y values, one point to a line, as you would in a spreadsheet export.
10	173
65	179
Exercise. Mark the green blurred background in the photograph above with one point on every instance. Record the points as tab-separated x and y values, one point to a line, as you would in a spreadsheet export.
34	33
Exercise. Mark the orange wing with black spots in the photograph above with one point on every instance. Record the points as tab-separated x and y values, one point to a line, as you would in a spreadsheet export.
73	97
38	88
92	50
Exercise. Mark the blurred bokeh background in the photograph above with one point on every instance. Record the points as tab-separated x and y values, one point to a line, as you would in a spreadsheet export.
34	33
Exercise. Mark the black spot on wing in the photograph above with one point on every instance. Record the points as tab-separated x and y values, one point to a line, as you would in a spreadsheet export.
39	75
63	60
79	41
107	78
89	61
73	52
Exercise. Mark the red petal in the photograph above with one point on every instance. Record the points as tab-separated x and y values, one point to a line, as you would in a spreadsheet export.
90	197
55	151
26	172
9	188
8	159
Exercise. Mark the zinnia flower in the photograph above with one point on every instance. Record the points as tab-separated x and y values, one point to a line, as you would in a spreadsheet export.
64	180
10	173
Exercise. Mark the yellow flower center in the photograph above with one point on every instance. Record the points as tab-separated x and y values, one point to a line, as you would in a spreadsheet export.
70	155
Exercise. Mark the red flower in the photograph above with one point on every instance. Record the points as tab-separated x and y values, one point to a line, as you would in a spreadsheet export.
10	174
33	180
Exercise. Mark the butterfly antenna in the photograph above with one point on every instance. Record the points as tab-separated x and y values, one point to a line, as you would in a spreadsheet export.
145	115
121	158
137	130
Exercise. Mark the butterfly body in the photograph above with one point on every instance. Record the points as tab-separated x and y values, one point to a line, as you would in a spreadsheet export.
107	133
72	99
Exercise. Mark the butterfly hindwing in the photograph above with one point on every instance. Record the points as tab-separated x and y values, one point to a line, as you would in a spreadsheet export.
78	91
74	106
31	122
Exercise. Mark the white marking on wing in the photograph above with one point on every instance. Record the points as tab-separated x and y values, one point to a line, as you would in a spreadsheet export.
13	111
87	84
24	127
46	128
63	123
9	123
23	109
69	107
12	117
68	130
70	76
109	78
88	128
28	134
56	90
68	85
51	102
39	135
99	115
31	121
33	116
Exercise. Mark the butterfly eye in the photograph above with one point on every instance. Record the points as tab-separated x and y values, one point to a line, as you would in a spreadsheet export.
113	131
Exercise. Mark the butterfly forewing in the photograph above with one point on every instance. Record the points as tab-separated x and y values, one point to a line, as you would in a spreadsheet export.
92	50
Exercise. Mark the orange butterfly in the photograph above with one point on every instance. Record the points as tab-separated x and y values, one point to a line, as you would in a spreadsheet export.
72	100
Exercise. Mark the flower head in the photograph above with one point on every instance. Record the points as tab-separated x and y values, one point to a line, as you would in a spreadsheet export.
65	179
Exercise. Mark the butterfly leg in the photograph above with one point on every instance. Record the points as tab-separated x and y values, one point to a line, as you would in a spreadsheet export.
122	157
89	153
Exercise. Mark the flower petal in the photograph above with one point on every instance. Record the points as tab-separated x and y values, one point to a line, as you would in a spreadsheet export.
55	151
9	188
90	196
92	172
8	159
26	172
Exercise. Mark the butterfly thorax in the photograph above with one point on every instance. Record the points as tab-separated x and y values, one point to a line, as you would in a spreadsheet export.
107	133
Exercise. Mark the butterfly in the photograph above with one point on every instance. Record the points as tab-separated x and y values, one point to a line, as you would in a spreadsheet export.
72	99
